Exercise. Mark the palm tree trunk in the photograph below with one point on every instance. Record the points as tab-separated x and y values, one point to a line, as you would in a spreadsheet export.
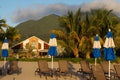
88	55
75	51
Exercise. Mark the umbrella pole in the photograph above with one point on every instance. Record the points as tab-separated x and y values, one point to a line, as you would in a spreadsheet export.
52	63
4	66
95	61
109	70
4	62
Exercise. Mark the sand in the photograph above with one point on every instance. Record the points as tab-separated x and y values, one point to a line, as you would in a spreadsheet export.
28	72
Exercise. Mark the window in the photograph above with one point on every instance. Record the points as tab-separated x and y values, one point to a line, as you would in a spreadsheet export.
33	45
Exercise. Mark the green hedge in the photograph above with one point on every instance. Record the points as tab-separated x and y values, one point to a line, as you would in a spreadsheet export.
75	60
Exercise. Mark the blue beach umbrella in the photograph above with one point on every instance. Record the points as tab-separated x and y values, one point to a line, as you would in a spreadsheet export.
96	48
52	51
109	46
5	47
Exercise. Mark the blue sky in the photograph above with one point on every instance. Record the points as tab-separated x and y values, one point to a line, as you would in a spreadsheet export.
17	11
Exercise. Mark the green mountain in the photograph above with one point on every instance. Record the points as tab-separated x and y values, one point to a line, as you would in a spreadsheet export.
40	28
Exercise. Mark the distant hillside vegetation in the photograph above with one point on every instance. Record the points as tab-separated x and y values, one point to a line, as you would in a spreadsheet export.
40	28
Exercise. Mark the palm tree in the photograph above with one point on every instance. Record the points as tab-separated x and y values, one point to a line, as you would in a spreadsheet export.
102	20
79	30
3	26
97	22
70	34
12	34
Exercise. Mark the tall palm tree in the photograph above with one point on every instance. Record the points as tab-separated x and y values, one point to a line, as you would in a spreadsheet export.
102	20
79	30
70	34
3	26
12	34
97	22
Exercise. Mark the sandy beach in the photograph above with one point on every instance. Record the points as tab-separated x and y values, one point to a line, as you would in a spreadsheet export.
28	72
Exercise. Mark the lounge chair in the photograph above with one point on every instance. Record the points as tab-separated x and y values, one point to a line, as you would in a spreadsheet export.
3	69
85	68
98	73
63	68
13	67
43	68
1	72
105	67
117	70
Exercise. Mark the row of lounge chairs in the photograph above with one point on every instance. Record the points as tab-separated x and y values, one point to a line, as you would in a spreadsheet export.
95	72
98	72
45	70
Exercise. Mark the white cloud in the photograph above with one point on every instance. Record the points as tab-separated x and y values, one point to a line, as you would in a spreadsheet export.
107	4
38	11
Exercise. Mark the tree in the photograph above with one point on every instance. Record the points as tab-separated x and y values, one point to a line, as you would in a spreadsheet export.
12	34
2	26
70	34
96	22
80	29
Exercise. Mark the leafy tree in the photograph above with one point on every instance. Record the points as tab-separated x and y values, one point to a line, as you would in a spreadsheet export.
12	34
70	34
2	26
80	29
96	22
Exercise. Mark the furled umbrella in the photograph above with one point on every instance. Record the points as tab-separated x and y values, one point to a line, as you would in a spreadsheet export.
5	47
53	47
96	48
109	46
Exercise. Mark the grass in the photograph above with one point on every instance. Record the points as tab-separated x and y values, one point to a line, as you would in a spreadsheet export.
48	59
75	60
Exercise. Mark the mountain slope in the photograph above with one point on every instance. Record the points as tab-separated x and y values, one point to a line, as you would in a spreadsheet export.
40	28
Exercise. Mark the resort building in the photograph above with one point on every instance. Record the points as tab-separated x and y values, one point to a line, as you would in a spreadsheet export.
33	44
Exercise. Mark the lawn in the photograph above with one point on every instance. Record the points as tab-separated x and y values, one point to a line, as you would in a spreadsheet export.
75	60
